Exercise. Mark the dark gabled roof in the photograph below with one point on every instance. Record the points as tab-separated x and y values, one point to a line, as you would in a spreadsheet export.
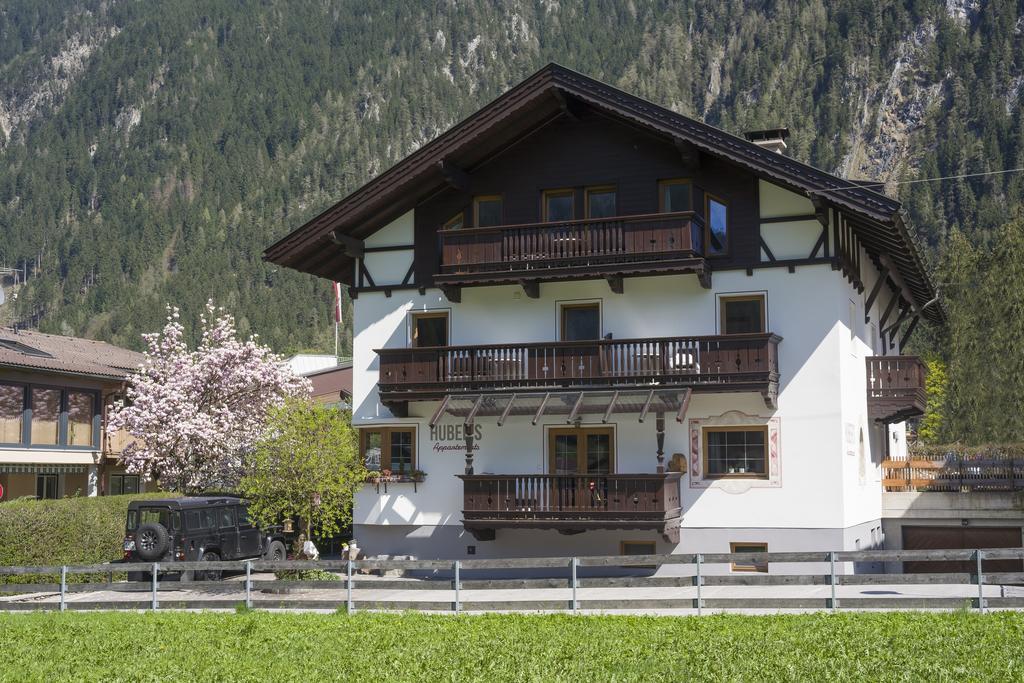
30	350
309	248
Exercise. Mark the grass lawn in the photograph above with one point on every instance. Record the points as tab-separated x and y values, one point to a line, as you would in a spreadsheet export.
311	647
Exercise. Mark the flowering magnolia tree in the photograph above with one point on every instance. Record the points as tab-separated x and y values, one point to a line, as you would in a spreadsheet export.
197	413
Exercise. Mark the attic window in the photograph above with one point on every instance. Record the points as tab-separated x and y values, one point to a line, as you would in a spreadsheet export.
22	348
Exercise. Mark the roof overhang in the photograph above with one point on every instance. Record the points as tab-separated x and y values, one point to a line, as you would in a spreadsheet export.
549	93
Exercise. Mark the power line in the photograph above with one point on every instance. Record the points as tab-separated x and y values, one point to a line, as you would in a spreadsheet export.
882	183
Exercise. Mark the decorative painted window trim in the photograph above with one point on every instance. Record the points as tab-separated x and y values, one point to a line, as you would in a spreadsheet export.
735	418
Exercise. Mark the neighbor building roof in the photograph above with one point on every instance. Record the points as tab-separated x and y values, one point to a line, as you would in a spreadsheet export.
27	349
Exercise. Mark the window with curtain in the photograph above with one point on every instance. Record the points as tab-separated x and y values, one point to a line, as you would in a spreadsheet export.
487	211
601	202
45	416
674	196
12	413
735	452
81	408
559	205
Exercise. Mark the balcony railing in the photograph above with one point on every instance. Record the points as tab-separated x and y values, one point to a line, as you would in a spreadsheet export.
730	363
895	387
572	244
116	443
952	472
649	501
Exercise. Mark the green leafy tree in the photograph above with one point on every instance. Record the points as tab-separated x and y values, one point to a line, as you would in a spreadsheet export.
985	302
307	466
933	423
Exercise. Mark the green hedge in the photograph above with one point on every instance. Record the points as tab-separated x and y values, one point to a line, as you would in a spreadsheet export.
66	531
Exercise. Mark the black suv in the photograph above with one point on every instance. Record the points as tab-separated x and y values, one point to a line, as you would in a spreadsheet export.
207	528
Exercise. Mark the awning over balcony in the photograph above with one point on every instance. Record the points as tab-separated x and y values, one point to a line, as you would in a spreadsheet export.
573	405
39	468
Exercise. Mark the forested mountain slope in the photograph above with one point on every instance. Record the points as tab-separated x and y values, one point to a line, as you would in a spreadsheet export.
150	150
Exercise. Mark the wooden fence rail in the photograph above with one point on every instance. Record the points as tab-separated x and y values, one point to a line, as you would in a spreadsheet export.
468	585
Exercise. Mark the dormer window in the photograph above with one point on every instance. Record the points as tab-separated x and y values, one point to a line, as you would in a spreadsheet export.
717	227
487	211
674	195
559	205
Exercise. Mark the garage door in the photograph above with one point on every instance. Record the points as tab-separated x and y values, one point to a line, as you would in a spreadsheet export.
960	537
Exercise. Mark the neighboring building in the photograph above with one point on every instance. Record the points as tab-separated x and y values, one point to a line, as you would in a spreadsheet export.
305	363
333	386
591	325
54	393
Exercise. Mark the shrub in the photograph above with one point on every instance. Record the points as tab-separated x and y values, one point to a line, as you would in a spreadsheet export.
307	575
66	531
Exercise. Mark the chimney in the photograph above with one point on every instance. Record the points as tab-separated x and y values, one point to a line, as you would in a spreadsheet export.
772	139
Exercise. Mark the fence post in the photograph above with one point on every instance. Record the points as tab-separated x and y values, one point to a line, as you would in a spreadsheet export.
981	585
156	567
248	584
63	586
700	582
832	572
572	570
348	587
456	566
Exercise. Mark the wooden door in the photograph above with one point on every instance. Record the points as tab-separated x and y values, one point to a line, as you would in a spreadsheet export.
579	322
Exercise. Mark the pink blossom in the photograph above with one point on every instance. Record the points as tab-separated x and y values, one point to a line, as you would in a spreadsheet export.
196	413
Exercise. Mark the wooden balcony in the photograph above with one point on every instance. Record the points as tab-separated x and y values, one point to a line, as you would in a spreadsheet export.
747	362
953	472
592	248
571	503
895	387
114	444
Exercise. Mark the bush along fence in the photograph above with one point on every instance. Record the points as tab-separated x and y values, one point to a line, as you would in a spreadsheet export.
697	583
957	468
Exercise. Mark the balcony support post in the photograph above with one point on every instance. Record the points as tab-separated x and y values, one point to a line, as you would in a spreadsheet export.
540	408
883	277
467	432
611	408
531	288
659	426
452	292
440	411
575	409
684	405
909	331
647	406
506	411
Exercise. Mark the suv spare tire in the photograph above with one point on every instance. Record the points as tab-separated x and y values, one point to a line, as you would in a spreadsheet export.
151	541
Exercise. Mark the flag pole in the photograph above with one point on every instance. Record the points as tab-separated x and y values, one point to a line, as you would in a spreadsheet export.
337	316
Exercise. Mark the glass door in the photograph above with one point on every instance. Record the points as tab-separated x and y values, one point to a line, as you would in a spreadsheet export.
581	450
